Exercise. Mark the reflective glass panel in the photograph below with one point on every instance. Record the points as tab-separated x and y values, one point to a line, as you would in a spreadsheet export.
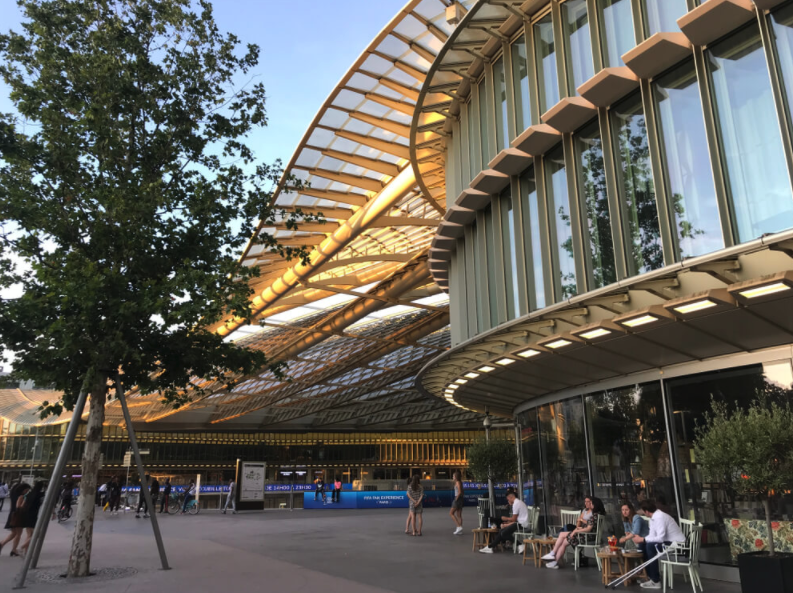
490	247
577	43
520	76
691	189
662	15
637	192
510	255
532	472
502	119
483	124
547	80
533	226
559	201
592	185
616	18
750	136
473	140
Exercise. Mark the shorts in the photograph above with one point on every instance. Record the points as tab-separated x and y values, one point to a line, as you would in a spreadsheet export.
457	504
417	509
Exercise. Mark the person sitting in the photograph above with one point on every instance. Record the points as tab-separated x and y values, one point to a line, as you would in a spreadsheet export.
663	531
509	525
634	525
587	522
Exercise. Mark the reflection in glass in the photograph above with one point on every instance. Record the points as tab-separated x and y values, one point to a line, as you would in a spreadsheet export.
629	448
592	184
502	119
520	76
615	15
479	282
750	135
510	255
782	30
577	43
490	247
532	474
662	15
563	447
483	124
533	241
547	81
637	191
691	189
559	201
715	504
473	140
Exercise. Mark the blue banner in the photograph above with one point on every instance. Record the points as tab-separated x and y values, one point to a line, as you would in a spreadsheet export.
392	499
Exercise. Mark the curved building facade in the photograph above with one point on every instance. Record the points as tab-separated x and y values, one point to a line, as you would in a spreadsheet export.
618	239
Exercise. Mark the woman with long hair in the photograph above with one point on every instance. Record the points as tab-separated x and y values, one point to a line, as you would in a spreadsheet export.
587	522
634	525
456	512
33	500
409	524
14	520
416	498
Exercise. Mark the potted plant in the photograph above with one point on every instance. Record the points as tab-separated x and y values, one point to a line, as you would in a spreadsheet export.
491	461
751	452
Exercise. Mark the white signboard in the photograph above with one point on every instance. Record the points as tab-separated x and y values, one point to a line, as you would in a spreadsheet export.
252	481
127	459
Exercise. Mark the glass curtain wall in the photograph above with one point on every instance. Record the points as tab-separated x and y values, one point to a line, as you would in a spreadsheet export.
592	186
509	247
473	139
530	450
502	119
636	189
618	37
490	249
685	145
661	15
578	43
545	50
750	135
520	77
533	228
561	227
483	124
782	31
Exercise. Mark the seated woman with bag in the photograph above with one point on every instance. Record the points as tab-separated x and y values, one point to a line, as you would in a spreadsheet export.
586	523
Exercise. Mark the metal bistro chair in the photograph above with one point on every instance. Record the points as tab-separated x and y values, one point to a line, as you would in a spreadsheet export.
591	541
528	533
482	509
687	557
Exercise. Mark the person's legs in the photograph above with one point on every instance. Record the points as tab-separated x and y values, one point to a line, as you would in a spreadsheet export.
29	533
504	534
559	541
17	533
409	522
187	499
420	518
453	515
162	504
2	502
460	516
650	551
412	520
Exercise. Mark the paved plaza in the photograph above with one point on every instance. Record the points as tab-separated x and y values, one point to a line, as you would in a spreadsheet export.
289	552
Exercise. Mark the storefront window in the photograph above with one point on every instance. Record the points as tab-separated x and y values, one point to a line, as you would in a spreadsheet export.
715	505
578	44
533	229
750	135
530	450
547	82
520	76
662	15
563	447
592	185
510	255
502	119
616	18
637	192
559	201
691	189
629	448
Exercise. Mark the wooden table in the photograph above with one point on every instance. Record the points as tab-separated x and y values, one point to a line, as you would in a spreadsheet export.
537	544
631	559
611	564
483	537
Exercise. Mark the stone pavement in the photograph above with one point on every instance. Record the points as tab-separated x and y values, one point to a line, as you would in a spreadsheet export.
293	552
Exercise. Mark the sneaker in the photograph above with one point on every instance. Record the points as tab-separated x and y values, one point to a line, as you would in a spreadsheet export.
458	531
521	548
486	550
550	556
137	516
553	564
146	515
224	512
651	585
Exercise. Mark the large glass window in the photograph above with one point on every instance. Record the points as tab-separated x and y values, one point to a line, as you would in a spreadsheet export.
750	135
520	77
691	190
662	15
533	217
563	446
592	185
629	448
547	80
578	43
616	18
561	227
484	124
473	140
637	192
510	255
502	119
490	247
530	448
719	508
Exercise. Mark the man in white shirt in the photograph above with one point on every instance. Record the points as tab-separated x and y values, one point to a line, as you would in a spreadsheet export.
509	525
663	531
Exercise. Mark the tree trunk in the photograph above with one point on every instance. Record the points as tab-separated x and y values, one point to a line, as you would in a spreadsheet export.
767	507
80	557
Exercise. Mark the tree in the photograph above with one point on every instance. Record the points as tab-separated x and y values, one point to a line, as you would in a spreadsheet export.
127	192
749	450
495	460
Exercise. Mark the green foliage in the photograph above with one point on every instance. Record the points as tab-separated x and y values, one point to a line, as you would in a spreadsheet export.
496	460
127	193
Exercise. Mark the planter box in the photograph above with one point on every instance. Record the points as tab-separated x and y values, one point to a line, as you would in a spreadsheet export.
761	573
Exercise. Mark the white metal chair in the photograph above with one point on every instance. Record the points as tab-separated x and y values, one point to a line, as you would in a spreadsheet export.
482	509
529	532
686	556
590	540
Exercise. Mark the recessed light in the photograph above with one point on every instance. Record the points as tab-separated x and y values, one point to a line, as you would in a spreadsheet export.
461	381
753	293
452	386
595	333
471	375
559	344
528	353
643	320
486	369
505	361
695	306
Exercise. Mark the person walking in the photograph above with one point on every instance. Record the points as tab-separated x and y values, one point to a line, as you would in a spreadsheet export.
142	499
15	519
416	497
33	500
3	494
231	498
166	496
456	512
190	492
155	494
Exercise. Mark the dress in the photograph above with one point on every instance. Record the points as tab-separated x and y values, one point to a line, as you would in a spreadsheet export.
413	497
32	506
577	538
14	496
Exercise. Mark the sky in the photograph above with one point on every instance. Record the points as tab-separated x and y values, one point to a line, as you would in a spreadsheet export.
306	48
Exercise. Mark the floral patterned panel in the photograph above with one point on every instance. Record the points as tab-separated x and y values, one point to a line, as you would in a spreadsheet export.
751	535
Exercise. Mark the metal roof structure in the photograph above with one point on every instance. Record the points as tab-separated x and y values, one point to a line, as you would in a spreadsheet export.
358	320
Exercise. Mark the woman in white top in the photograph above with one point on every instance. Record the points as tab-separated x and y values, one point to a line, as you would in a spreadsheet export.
587	522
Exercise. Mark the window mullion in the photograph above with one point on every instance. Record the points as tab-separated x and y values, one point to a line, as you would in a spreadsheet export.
498	261
595	36
512	126
521	249
531	68
560	52
546	234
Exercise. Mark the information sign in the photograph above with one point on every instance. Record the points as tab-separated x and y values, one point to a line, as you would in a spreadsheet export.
252	481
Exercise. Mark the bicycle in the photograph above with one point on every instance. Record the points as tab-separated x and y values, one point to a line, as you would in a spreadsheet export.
64	512
176	503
